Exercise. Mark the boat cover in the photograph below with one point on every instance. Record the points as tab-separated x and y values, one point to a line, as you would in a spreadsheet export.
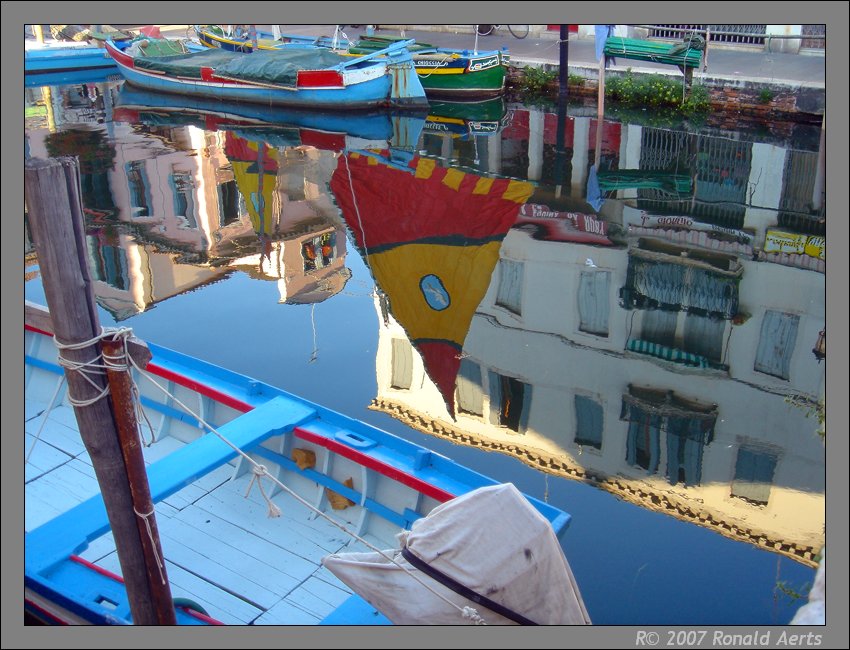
266	66
490	540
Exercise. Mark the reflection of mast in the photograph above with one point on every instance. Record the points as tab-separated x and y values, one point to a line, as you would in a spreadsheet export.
48	103
315	354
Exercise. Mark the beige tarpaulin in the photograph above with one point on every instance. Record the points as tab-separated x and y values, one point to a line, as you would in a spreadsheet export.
493	542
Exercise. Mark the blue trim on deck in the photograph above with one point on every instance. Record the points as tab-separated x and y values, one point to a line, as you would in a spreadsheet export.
71	532
355	611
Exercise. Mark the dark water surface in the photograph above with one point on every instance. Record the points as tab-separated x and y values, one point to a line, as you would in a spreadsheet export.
618	320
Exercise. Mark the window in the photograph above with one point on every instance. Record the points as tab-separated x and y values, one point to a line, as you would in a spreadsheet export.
754	470
776	344
510	402
593	302
588	422
509	293
402	360
470	392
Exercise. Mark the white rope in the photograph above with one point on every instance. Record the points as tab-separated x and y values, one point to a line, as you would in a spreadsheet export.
119	364
85	369
259	471
159	563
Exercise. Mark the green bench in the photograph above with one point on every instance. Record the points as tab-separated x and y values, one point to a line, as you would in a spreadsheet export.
686	56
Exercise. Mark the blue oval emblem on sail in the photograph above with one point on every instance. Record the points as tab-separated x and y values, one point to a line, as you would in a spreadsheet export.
434	292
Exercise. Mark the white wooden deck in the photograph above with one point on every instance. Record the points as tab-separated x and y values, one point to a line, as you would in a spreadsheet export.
222	550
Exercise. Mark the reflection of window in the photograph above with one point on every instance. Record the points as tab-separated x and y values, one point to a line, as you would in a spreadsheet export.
509	294
754	469
108	264
688	426
588	422
318	252
704	336
470	391
140	189
776	344
402	368
228	202
642	444
652	283
659	326
593	302
510	402
183	191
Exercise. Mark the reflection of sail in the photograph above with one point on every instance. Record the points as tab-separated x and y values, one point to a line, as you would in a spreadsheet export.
251	161
432	246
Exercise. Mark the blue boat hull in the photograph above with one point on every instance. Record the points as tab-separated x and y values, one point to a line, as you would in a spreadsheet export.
397	481
65	59
383	91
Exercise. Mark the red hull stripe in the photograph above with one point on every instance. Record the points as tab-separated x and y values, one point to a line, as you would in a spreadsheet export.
372	463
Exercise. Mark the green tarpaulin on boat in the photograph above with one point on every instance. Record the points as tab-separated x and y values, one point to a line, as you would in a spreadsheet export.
266	66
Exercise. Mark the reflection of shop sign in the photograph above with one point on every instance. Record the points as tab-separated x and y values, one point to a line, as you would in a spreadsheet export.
531	212
483	64
776	241
652	221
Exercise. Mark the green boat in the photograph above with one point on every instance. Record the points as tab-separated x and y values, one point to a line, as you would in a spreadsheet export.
444	72
450	73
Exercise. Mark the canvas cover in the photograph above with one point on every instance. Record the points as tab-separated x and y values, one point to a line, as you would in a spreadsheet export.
265	66
491	540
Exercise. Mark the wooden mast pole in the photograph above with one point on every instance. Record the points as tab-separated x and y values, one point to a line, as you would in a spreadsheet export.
52	191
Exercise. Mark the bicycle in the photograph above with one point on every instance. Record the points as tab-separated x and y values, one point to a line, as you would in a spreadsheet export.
517	31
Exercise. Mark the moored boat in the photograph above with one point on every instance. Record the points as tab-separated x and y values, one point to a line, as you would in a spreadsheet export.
307	77
334	486
443	72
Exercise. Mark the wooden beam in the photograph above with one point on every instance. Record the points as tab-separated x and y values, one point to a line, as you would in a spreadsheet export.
55	210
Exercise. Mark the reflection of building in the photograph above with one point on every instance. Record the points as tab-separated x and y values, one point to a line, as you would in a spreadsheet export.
170	206
664	373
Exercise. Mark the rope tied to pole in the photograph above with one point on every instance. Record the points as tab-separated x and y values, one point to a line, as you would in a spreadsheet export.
159	562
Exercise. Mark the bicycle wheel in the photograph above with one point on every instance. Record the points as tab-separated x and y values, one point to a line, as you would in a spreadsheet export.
484	30
519	31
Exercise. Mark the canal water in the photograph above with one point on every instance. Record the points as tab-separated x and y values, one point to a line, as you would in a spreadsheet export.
624	319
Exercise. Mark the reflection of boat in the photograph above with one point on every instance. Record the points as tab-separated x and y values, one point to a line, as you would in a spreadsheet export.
434	259
226	559
309	77
71	77
325	129
466	119
621	179
444	72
